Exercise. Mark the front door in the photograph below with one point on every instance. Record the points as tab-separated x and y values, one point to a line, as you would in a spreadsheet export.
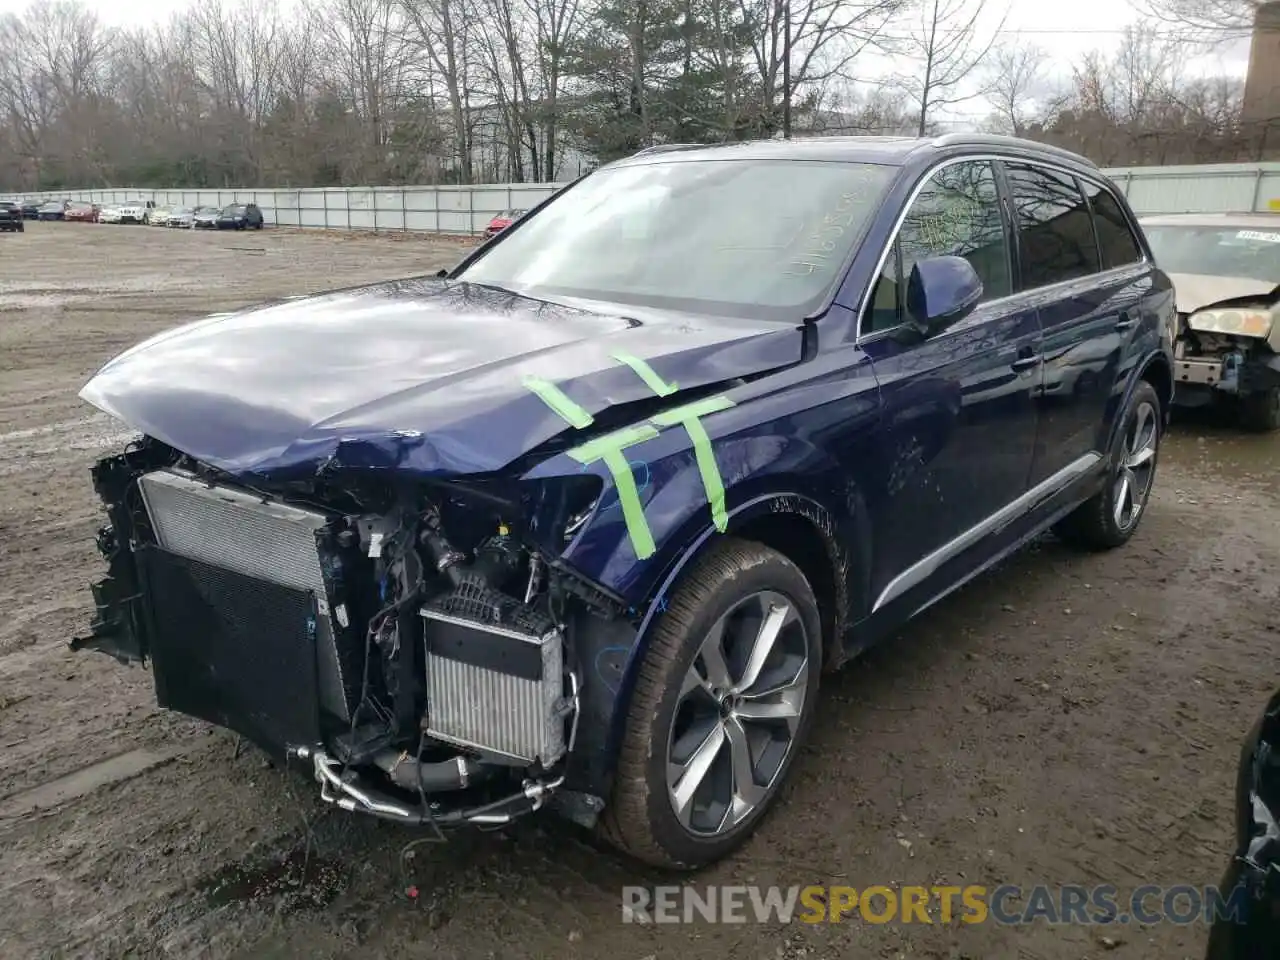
959	416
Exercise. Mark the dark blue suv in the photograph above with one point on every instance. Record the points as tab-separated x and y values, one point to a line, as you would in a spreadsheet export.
581	522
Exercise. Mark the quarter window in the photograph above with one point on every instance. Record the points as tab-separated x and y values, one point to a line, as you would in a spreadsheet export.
1119	246
956	214
1055	231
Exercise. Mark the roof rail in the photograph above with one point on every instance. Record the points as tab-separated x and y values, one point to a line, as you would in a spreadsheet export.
995	139
668	148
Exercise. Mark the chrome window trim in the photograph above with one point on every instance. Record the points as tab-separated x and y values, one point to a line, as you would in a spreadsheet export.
1115	272
925	567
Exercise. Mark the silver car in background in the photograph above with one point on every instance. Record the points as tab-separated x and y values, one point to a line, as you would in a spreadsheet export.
182	217
1225	269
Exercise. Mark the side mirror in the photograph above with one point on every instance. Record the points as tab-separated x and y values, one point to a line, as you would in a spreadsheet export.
941	291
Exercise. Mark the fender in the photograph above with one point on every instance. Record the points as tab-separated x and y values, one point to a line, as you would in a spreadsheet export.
837	535
1151	359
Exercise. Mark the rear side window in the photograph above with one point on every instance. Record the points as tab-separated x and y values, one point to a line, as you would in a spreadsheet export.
1055	230
1119	246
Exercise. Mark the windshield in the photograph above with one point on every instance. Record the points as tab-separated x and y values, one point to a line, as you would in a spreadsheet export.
181	211
751	238
1247	252
234	210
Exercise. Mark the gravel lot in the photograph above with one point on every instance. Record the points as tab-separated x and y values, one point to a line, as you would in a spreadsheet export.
1065	719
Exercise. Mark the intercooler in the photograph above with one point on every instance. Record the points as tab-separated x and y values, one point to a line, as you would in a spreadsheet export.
263	540
497	688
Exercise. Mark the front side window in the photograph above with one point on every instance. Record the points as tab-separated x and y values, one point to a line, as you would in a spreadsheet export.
1115	237
1055	230
752	238
956	214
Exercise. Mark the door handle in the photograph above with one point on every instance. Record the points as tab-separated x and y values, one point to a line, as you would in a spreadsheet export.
1127	321
1026	363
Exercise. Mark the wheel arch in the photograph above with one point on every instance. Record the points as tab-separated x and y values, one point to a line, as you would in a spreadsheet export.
1156	370
801	528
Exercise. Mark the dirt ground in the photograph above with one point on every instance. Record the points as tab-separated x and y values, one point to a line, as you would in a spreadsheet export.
1065	719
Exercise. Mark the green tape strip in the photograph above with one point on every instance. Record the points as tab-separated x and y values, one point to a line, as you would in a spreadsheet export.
559	402
610	448
687	415
647	374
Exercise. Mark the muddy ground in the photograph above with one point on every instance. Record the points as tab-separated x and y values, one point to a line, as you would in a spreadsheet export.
1066	719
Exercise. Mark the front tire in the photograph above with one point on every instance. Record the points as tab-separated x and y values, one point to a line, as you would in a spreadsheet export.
723	701
1260	411
1109	518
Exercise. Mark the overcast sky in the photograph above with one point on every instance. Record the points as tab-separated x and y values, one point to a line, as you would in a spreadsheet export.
1066	29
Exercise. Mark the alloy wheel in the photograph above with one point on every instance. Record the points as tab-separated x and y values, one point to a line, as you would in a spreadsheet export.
1137	466
738	714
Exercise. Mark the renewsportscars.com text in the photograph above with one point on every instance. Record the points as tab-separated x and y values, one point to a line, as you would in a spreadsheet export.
1007	904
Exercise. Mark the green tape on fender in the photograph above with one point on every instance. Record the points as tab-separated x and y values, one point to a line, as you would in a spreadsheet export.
611	449
688	417
559	402
647	374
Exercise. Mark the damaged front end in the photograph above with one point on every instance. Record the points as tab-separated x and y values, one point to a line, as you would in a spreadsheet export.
412	641
1230	348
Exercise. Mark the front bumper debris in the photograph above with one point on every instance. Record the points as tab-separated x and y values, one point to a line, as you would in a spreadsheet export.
345	789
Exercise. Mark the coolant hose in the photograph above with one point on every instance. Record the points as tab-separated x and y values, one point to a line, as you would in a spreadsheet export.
409	773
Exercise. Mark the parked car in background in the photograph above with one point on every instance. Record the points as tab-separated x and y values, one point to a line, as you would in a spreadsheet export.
11	217
1226	273
786	334
109	213
205	218
31	209
240	216
81	211
158	217
181	217
136	211
500	222
54	210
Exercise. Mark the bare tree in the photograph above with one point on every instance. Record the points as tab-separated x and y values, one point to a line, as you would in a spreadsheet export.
1018	89
557	23
949	47
813	42
445	30
1209	21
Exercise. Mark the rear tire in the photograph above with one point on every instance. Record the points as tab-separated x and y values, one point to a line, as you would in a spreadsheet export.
1109	518
723	700
1260	411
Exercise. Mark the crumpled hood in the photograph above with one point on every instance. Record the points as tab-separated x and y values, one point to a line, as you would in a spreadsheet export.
1194	291
425	376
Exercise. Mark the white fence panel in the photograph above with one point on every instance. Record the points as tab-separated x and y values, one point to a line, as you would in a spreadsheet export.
468	209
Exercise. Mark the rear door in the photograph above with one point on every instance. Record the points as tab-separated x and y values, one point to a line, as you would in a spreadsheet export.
958	408
1088	309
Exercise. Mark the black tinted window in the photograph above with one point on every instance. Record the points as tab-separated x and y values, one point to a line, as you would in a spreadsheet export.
1055	229
956	214
1115	236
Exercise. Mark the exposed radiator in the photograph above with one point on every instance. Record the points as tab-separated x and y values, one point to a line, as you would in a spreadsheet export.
238	531
495	688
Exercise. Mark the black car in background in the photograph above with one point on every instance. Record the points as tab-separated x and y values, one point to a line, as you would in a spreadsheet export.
31	209
11	217
1252	879
53	210
240	216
